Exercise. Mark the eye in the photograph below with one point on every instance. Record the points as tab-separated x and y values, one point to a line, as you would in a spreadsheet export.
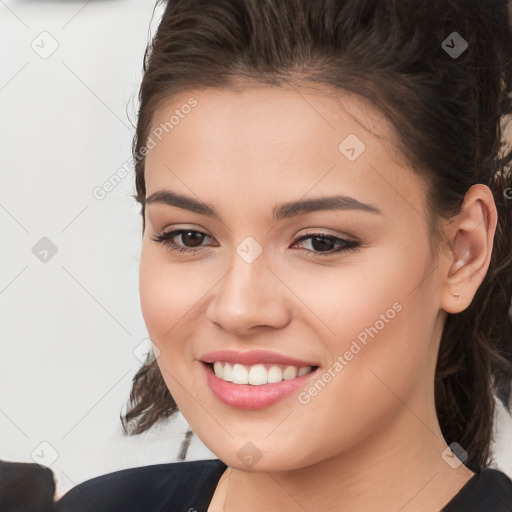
325	244
189	236
322	244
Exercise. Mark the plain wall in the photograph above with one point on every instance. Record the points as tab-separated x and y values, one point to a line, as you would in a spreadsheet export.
70	324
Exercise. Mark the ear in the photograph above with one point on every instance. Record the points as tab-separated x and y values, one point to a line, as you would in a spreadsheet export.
469	238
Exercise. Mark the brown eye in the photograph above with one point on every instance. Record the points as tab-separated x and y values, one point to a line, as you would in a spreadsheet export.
191	239
323	244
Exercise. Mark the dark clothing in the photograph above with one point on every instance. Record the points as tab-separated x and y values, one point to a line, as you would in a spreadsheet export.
189	487
488	490
179	486
26	487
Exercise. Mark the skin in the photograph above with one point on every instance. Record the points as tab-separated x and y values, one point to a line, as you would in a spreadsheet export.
370	439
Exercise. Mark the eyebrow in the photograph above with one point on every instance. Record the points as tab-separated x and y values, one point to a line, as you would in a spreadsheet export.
285	210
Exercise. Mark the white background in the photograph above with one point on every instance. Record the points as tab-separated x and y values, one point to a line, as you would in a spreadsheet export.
71	327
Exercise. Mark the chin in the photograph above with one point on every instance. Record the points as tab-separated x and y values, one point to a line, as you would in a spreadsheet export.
260	456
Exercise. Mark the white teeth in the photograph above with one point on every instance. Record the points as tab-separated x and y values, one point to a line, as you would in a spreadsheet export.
303	371
290	372
217	367
227	373
257	374
240	374
275	374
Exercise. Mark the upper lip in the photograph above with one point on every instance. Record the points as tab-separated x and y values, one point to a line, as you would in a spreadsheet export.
251	357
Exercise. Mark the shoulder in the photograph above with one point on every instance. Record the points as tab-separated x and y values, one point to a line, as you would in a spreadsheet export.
489	490
180	486
25	486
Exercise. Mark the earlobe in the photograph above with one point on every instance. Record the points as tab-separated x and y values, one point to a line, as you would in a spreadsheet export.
472	234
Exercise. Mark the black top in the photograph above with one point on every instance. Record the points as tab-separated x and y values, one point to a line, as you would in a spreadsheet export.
26	487
189	487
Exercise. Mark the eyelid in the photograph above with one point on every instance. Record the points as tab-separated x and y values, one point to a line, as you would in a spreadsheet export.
325	232
309	231
165	235
344	244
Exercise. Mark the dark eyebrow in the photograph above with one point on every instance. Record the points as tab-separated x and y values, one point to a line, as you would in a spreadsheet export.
285	210
321	203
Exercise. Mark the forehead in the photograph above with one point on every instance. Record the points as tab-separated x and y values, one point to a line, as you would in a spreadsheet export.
278	142
269	115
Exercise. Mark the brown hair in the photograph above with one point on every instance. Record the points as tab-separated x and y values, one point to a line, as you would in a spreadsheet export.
447	112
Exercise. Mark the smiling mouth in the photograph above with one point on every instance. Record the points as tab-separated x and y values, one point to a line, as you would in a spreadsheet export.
257	374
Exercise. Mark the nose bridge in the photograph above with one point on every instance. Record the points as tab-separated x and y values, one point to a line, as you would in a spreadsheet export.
249	295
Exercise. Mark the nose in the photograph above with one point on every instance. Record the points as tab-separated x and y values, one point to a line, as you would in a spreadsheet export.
249	298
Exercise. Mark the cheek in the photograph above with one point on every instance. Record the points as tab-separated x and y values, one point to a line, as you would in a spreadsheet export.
380	322
382	366
364	389
343	301
154	298
168	293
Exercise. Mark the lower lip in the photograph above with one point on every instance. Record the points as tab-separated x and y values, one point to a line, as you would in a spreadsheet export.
248	396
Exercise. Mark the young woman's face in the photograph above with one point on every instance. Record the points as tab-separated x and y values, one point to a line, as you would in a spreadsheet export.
343	286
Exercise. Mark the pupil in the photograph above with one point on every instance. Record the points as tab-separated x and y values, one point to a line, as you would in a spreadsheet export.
195	237
320	243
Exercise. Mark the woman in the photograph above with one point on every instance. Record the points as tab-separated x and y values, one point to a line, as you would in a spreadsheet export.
326	266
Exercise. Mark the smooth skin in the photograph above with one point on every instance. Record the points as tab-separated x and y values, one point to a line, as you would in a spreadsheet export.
370	439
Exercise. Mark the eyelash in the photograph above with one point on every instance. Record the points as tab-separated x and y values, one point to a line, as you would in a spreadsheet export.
165	237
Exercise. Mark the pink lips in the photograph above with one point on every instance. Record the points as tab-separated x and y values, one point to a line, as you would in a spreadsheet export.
247	396
254	357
